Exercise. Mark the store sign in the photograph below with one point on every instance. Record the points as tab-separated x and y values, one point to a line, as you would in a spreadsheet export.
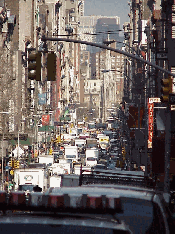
154	99
45	120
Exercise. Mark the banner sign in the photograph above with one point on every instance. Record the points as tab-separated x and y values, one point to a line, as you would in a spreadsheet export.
150	123
45	120
42	98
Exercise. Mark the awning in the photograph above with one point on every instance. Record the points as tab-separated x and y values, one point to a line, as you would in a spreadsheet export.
22	142
46	129
66	118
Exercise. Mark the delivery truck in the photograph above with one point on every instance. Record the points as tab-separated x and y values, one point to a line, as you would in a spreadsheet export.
47	159
31	176
92	156
71	153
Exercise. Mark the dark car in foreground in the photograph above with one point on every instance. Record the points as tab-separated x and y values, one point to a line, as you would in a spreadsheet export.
141	210
97	205
72	212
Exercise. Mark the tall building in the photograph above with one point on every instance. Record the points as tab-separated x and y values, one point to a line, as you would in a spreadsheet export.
100	29
89	26
107	29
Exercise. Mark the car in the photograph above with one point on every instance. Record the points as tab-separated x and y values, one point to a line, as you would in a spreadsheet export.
27	188
111	167
143	210
60	212
99	166
103	151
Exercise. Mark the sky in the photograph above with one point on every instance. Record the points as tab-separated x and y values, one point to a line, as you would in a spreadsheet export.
108	8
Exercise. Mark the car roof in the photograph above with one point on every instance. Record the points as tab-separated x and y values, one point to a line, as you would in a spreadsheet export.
111	190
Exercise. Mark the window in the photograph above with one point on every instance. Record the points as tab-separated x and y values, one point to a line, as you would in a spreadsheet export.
173	31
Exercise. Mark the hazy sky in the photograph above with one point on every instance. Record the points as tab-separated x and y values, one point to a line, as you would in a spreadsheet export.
108	8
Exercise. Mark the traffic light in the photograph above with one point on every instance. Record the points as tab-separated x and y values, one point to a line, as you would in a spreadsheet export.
51	66
123	153
10	163
34	66
166	89
16	164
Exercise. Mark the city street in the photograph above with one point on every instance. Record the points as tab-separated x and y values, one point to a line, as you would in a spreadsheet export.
87	115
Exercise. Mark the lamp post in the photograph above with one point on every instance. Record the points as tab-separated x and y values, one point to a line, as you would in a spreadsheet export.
2	145
36	118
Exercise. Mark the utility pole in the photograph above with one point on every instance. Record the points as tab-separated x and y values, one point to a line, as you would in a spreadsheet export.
138	135
167	148
2	146
2	167
18	146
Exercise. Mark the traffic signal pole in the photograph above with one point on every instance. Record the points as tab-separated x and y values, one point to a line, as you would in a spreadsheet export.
108	48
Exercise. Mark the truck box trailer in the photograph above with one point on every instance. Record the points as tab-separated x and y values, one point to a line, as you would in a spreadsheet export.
92	156
92	152
71	152
31	176
61	168
80	142
55	181
47	159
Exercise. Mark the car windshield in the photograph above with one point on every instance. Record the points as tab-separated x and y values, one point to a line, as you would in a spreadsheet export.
91	159
70	156
100	167
26	187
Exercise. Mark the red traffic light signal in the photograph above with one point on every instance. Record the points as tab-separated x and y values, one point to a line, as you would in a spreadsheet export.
166	89
34	66
51	66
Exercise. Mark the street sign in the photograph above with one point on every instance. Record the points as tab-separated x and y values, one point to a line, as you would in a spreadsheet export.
172	107
154	99
172	98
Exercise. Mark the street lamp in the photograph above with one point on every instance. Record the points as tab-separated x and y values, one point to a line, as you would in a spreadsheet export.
2	145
